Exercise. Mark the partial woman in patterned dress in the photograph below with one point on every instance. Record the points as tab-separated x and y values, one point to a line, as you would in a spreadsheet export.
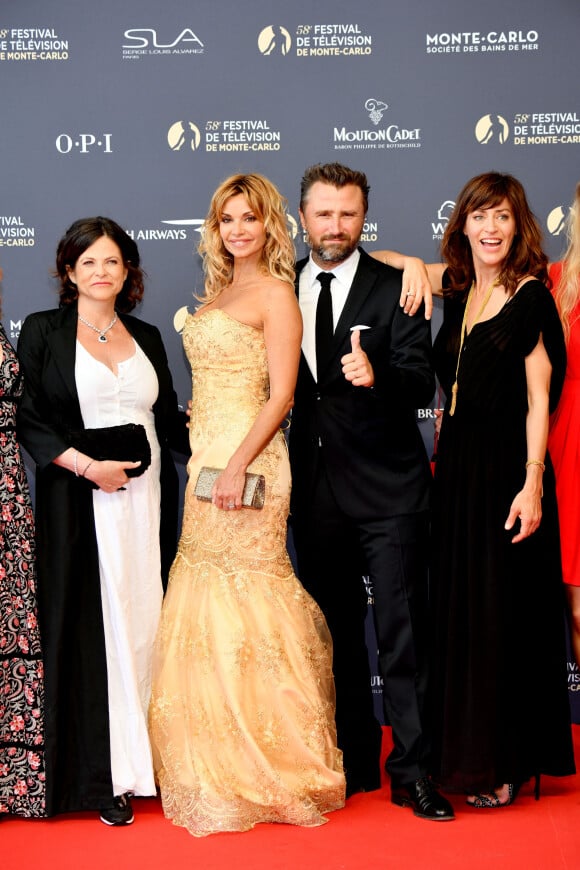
22	779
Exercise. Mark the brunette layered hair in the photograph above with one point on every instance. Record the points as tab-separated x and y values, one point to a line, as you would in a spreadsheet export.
80	236
525	256
269	207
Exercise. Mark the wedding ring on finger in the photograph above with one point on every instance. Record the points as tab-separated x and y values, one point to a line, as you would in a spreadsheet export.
409	293
231	505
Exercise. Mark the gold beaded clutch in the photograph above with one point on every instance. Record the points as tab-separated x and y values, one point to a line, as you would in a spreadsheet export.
254	488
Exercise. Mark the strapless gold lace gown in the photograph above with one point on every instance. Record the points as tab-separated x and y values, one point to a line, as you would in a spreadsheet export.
242	710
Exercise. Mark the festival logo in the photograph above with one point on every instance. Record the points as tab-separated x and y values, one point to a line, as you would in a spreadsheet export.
184	135
146	42
316	40
251	134
292	226
14	232
546	128
32	44
180	317
274	39
492	128
556	221
332	40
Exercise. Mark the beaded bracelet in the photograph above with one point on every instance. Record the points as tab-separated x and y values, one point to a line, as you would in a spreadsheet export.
537	462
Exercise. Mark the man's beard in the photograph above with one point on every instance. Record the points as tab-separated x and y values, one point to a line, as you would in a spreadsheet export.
338	251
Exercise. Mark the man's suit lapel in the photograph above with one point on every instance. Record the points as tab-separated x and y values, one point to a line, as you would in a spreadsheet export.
361	287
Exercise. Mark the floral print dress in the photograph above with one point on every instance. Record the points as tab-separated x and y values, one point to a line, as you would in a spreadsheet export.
22	779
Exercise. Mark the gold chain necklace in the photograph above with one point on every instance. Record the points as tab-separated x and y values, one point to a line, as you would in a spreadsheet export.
486	299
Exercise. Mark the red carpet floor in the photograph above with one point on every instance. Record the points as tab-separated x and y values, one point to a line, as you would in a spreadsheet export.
369	833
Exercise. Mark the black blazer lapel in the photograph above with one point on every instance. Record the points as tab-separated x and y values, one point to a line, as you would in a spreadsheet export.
145	337
361	287
61	341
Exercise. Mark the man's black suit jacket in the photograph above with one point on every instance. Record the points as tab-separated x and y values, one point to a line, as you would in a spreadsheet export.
373	451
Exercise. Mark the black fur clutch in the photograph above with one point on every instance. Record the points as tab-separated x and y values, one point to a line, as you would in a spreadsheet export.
125	443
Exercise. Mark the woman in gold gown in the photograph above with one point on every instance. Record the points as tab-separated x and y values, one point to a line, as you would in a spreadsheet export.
242	711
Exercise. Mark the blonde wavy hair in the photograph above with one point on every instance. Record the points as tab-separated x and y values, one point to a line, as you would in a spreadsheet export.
269	206
567	293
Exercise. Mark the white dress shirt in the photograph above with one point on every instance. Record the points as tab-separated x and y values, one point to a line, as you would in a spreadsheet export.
308	292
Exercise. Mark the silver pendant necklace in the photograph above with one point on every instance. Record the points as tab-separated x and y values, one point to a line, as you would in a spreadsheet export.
102	332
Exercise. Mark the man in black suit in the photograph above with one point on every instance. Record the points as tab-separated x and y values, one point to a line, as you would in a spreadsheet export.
361	483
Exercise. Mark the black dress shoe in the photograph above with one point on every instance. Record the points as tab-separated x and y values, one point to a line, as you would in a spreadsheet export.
425	800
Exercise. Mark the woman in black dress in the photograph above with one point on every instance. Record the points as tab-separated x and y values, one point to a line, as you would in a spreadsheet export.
499	667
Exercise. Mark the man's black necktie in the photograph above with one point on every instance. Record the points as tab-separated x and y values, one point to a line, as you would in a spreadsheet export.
324	322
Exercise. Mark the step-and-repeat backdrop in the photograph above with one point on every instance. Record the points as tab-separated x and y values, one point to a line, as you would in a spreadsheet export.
137	110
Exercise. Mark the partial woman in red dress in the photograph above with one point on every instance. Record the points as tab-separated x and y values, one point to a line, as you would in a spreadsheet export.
564	438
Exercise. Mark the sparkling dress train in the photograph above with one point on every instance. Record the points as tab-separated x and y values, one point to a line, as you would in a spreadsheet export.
242	712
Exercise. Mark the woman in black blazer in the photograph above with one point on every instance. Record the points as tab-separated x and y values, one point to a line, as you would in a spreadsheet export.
106	529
